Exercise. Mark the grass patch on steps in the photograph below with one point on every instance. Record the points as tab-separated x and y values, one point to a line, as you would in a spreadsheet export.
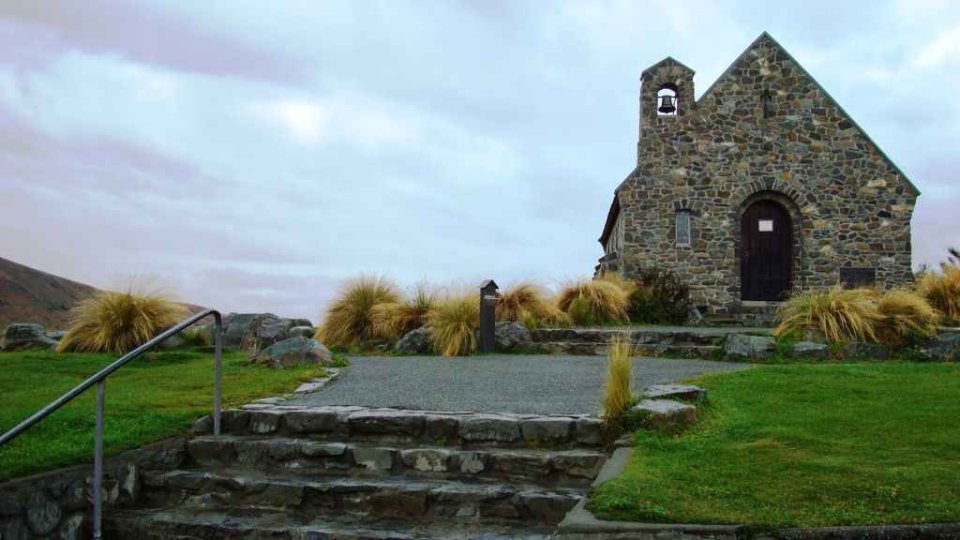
804	445
154	397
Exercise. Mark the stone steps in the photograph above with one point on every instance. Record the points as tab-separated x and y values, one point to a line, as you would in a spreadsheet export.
167	523
671	342
701	352
410	427
384	497
573	468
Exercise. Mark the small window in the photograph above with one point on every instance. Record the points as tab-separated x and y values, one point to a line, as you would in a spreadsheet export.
683	228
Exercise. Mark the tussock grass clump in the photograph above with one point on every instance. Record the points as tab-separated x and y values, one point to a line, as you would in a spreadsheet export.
118	322
595	301
528	303
453	323
905	315
628	286
349	318
942	290
393	320
616	390
837	314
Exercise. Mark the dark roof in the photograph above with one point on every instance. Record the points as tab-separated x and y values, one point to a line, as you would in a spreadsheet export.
611	220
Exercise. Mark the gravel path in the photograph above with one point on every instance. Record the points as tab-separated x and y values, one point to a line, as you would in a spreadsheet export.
539	384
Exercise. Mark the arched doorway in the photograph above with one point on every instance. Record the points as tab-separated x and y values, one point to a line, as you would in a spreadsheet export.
766	251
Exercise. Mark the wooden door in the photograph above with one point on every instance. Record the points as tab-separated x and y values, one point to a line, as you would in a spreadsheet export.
766	252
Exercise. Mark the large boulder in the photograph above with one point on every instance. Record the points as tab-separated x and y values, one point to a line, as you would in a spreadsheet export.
302	331
414	342
944	347
294	352
235	327
21	336
664	415
747	347
810	349
511	336
265	330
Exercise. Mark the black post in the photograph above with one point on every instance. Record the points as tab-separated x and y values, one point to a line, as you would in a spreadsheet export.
488	316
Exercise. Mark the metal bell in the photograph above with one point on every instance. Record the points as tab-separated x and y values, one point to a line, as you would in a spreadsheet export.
666	105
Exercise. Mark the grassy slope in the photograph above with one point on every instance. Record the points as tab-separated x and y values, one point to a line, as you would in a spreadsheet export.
805	445
155	396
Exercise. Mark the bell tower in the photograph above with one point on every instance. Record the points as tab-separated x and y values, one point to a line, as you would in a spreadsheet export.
666	93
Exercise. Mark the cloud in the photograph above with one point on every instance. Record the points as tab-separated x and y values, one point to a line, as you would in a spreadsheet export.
943	51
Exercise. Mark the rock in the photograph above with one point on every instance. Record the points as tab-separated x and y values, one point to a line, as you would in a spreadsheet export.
302	331
307	421
547	429
440	428
425	459
294	352
235	327
56	335
22	336
810	349
43	515
313	449
173	342
511	336
472	463
265	421
386	423
747	347
867	351
579	464
490	427
664	415
14	529
414	342
263	331
680	392
72	527
589	430
944	347
374	458
694	317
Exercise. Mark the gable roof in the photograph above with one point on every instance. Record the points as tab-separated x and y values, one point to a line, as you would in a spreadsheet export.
668	61
763	37
766	37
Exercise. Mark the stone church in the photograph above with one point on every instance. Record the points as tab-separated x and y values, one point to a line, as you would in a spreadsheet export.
762	187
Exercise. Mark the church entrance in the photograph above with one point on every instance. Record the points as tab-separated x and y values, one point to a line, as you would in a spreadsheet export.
766	251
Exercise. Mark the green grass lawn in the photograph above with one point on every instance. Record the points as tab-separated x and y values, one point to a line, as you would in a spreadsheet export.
804	445
154	397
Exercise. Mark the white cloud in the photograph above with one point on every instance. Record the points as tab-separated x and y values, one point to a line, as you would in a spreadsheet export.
942	51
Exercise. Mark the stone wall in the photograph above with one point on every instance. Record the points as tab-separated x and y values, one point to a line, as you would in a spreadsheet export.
851	206
58	504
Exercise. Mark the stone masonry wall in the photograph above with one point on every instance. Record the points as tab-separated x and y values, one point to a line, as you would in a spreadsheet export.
58	504
849	204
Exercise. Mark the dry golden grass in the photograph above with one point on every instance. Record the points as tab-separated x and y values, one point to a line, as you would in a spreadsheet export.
394	319
528	303
942	290
837	314
113	322
594	301
905	314
616	390
628	286
453	323
349	318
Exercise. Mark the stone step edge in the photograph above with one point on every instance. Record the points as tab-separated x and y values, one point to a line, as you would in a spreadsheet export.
339	484
329	526
576	466
461	427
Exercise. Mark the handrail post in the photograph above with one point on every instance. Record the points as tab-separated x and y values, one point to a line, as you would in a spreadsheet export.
217	370
98	463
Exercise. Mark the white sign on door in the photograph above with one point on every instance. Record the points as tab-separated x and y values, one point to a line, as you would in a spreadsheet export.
766	225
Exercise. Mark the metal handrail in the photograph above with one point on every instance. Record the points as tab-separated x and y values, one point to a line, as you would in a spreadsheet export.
100	378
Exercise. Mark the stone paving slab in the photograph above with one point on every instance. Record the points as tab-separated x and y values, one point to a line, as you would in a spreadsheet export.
529	384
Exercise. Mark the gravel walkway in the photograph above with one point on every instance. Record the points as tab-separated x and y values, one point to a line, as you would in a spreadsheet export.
538	384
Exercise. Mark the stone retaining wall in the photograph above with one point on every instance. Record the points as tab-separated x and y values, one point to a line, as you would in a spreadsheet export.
58	504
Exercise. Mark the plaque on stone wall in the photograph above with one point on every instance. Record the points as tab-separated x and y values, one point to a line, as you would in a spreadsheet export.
851	278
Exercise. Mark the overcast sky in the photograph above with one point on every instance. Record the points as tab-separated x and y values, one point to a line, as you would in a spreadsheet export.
249	155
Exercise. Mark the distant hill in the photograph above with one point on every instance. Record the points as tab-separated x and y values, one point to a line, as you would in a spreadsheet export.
31	295
34	296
